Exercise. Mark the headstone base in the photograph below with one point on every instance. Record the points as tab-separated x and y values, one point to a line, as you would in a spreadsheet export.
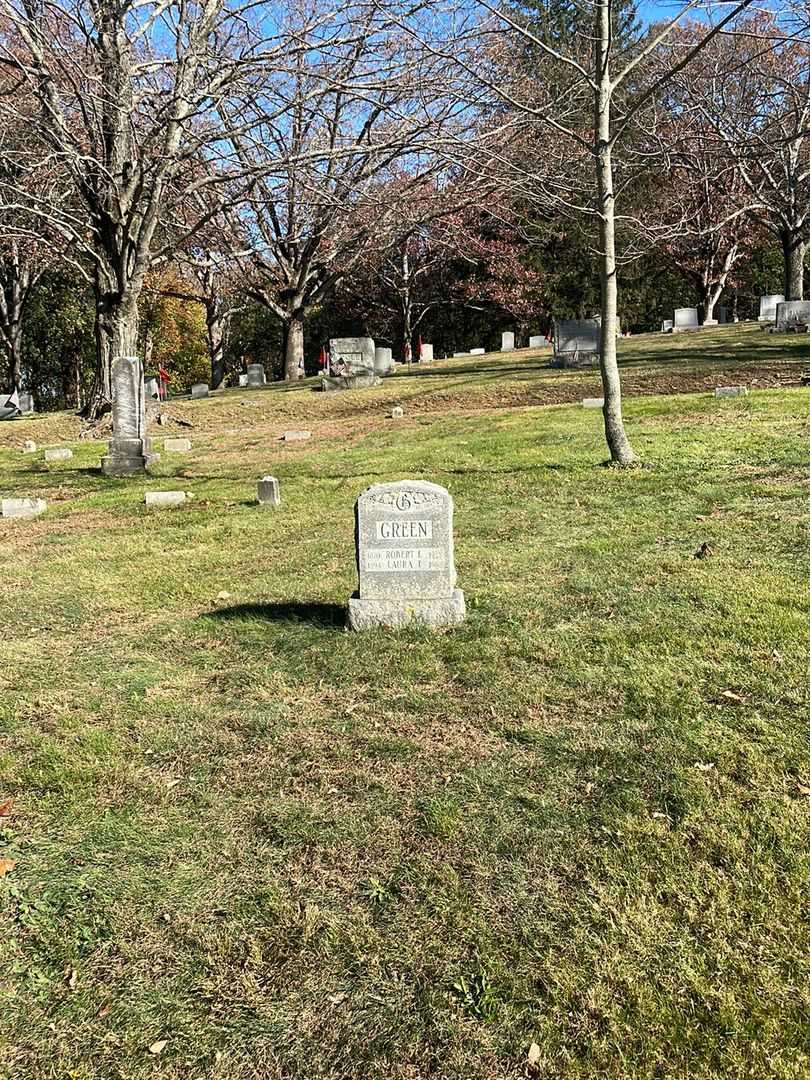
394	614
349	382
127	457
576	360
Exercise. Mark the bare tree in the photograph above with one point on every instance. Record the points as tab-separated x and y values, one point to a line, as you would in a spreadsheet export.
28	246
124	93
700	213
753	87
615	78
322	139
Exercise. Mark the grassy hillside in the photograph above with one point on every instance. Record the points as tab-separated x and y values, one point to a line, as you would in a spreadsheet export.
248	844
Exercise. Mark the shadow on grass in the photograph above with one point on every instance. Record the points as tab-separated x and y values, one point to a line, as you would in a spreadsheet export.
324	616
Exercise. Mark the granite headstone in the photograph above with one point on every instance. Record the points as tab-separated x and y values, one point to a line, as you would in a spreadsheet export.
405	565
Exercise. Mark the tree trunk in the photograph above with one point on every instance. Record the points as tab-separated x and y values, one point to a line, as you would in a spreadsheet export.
215	332
16	357
621	452
116	335
793	250
294	352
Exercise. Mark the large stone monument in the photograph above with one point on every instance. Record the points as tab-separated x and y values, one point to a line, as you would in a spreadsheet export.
767	307
406	573
576	343
686	318
351	364
129	450
507	341
793	315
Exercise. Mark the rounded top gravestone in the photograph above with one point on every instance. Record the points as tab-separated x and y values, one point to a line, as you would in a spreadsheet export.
405	565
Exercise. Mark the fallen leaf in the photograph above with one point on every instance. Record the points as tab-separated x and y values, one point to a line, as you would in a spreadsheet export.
5	808
703	552
6	866
731	696
103	1011
158	1047
704	766
73	979
173	783
223	595
803	788
533	1056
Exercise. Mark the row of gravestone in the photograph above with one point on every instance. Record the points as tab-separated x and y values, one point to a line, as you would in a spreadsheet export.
403	546
785	314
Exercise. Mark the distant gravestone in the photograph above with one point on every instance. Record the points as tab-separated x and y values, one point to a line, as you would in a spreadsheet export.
199	390
667	326
268	491
507	341
151	389
730	391
243	380
686	318
352	355
29	447
576	343
537	341
460	354
793	315
177	446
722	315
593	403
59	453
477	352
427	352
255	375
767	307
383	360
129	450
397	412
404	546
26	403
351	364
296	436
23	508
161	500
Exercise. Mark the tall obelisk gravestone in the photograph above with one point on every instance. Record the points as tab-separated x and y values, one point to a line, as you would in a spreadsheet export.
129	450
404	537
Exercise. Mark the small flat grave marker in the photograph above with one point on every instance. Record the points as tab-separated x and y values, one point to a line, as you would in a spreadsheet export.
593	403
405	567
397	412
730	391
59	453
23	508
199	390
296	436
160	500
177	446
29	447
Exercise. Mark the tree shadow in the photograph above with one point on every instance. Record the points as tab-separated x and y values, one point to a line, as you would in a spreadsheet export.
323	616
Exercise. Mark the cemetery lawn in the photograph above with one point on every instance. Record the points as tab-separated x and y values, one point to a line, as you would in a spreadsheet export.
567	839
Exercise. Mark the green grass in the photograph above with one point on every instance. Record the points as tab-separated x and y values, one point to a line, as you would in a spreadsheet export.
579	820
